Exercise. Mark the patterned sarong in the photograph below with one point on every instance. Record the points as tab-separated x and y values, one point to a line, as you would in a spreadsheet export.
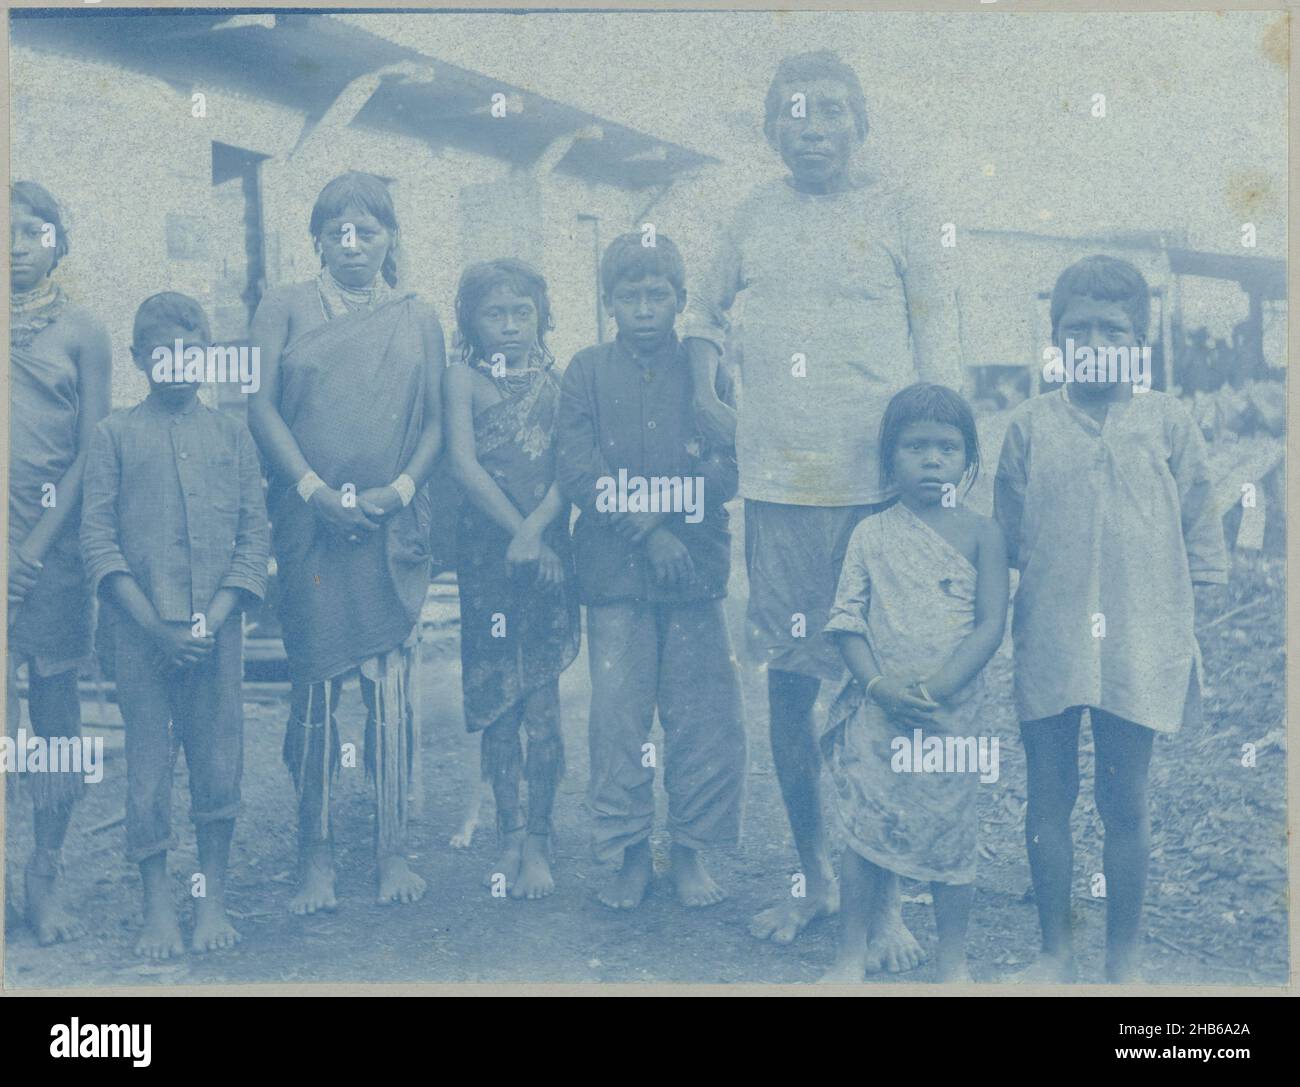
514	443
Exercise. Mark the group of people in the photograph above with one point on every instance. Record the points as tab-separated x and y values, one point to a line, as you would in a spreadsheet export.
852	449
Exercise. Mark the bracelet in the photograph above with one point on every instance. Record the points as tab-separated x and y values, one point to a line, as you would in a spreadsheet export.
873	682
309	485
404	485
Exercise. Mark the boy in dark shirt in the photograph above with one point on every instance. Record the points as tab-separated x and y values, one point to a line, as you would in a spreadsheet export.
653	555
175	540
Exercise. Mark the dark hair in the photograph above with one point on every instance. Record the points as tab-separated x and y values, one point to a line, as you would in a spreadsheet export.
924	403
478	281
627	258
168	310
366	192
40	202
1107	279
804	68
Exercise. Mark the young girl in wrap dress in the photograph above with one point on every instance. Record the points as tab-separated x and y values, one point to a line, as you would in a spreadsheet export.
519	624
920	608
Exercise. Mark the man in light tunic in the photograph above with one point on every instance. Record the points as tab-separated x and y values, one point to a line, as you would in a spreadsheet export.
846	302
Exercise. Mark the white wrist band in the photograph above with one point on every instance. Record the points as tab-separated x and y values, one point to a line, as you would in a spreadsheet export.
874	680
309	485
404	485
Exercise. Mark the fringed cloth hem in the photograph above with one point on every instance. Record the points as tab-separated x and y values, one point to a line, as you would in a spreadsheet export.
392	756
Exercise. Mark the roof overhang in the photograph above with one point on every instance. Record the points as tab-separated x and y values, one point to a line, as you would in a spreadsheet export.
304	61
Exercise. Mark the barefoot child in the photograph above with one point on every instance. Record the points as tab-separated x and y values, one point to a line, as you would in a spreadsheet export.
920	608
59	390
1103	492
348	418
519	622
175	540
653	573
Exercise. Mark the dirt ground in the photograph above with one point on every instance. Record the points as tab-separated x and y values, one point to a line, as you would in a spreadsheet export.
1216	903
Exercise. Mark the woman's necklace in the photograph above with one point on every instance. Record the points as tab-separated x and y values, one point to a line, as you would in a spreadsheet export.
337	298
34	310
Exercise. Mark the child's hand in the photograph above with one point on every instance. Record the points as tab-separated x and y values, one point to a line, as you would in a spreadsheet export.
23	573
669	558
524	550
903	702
550	570
178	647
634	527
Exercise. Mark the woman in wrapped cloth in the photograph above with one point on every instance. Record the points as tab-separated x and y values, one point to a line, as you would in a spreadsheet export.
920	608
348	418
60	372
519	620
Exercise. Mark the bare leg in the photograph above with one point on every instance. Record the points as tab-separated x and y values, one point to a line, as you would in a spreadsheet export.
628	888
161	936
543	771
695	887
390	732
305	753
502	765
861	884
55	710
890	945
798	770
212	928
951	915
1052	762
1123	759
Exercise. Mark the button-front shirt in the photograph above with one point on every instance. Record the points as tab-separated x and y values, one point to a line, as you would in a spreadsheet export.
620	409
1109	523
175	500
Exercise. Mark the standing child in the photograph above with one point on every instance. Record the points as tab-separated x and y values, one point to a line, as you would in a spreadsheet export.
175	539
59	391
920	608
653	554
519	622
1103	493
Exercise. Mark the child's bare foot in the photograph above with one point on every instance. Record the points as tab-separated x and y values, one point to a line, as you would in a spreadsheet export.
1047	970
316	890
847	969
892	947
628	888
535	879
212	928
782	924
695	887
161	937
397	883
51	922
505	872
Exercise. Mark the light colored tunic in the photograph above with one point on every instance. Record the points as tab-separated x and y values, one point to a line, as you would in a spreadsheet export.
858	284
911	594
1108	524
